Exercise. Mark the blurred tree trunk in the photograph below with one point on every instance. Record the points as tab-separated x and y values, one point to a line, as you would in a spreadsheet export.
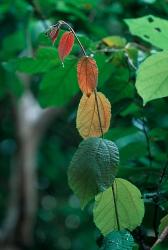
31	122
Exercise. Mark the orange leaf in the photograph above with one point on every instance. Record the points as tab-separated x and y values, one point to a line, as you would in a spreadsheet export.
65	45
87	121
87	72
54	34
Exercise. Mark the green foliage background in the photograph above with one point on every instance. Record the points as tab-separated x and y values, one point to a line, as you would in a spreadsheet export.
60	223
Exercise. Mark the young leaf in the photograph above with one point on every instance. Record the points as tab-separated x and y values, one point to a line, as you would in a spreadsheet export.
130	207
54	34
114	41
151	80
87	72
87	122
93	168
65	45
118	240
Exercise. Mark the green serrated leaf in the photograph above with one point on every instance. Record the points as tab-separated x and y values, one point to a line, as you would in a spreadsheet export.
152	77
130	207
59	85
151	29
119	240
93	168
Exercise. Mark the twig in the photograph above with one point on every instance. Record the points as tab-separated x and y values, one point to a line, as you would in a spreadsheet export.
165	168
115	207
161	238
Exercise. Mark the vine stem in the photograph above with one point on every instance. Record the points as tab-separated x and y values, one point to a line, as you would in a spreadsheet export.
115	207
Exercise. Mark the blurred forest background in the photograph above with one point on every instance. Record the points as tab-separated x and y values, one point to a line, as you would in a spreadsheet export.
37	208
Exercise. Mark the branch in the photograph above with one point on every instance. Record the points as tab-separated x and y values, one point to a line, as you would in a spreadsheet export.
161	238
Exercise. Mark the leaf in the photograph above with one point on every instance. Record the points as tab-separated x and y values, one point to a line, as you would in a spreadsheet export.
65	45
152	81
93	168
87	72
151	29
87	122
129	204
59	85
114	41
105	68
54	34
44	61
118	240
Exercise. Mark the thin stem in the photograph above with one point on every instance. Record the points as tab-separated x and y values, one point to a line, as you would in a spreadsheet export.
61	22
163	173
115	206
98	112
148	143
158	195
36	5
80	44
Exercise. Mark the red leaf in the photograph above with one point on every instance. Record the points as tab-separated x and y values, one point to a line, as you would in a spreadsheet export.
66	44
54	34
87	72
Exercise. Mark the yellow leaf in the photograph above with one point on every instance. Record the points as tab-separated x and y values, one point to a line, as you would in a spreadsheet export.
114	41
88	123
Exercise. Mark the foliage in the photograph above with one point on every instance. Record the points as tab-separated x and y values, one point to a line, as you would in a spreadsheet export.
93	168
126	200
87	120
152	80
122	62
118	241
151	29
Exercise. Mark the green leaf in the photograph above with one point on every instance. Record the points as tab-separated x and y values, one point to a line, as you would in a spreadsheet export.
130	207
45	60
130	141
152	77
59	85
151	29
105	68
118	240
93	168
117	87
163	224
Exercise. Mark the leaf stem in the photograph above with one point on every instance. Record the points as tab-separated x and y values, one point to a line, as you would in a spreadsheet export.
98	112
147	142
115	207
61	22
163	173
